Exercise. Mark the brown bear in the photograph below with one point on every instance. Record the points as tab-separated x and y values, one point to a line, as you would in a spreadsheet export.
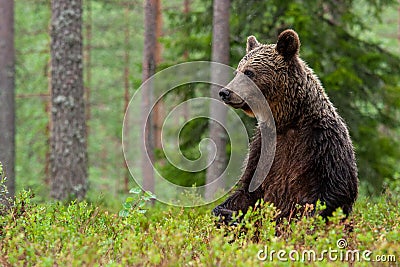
314	157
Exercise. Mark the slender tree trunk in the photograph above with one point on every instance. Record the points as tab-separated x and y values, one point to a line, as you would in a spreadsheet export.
68	132
186	9
149	67
159	31
159	107
220	53
7	93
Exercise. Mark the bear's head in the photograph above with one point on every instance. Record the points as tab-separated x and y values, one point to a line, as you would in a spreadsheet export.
264	72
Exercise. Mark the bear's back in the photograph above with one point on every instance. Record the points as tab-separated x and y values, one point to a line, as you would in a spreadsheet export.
314	160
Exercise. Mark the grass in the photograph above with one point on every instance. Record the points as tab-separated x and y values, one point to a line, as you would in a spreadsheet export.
81	234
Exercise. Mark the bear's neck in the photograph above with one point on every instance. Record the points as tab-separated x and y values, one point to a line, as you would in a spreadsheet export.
305	101
315	104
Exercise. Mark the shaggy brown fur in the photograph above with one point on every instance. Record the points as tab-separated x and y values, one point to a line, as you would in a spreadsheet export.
314	158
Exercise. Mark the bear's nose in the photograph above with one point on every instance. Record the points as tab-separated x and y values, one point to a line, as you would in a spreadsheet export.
224	94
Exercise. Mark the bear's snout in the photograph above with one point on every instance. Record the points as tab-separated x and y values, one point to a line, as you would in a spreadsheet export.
224	94
230	98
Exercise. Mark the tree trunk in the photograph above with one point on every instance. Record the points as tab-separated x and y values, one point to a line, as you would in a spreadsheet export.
7	92
68	132
159	107
220	53
186	10
149	67
159	31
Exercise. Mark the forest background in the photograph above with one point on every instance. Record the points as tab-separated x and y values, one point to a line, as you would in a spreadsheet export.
354	49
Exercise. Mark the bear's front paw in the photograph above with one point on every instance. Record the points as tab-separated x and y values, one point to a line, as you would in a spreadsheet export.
225	215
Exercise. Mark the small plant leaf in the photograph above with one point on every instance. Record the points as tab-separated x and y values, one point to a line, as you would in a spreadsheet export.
127	206
123	213
135	190
150	195
129	200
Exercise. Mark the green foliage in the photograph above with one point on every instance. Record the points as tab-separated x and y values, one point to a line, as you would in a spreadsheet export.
3	191
360	77
32	65
5	200
344	50
80	234
135	203
107	49
1	173
190	34
189	147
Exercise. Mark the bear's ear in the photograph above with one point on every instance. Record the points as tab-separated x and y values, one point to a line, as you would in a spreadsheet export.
288	44
251	43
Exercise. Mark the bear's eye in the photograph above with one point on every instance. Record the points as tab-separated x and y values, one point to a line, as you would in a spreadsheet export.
249	73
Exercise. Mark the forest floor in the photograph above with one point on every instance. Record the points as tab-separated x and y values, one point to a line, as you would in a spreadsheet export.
82	234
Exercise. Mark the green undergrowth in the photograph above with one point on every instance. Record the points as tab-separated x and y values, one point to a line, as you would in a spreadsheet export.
81	234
